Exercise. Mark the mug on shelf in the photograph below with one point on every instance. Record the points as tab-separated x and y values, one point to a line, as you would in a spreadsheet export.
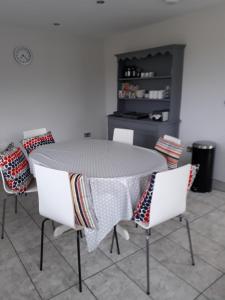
151	74
140	93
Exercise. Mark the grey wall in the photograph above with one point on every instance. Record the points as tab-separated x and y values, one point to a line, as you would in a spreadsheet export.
61	90
203	106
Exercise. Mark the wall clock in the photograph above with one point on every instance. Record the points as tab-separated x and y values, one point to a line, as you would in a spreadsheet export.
22	55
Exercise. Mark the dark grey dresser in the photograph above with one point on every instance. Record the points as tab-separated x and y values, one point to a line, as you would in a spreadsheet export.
167	64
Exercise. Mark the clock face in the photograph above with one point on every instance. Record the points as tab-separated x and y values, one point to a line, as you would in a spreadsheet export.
23	55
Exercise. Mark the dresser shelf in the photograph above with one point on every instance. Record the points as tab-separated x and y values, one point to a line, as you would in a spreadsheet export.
144	78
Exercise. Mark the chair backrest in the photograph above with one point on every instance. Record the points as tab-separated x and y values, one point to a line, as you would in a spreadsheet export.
122	135
34	132
55	197
172	139
169	195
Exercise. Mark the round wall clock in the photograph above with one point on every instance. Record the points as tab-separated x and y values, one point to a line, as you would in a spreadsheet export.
22	55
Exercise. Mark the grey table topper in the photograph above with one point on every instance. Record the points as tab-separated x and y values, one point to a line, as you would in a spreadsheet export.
98	158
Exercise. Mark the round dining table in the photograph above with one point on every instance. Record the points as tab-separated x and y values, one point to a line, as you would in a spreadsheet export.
116	174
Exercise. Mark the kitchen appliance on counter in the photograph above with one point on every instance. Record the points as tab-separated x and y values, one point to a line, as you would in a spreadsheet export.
131	115
159	115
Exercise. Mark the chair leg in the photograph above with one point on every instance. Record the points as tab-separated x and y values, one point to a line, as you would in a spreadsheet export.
81	234
148	232
117	241
53	225
111	248
180	218
190	242
42	242
79	261
3	217
16	204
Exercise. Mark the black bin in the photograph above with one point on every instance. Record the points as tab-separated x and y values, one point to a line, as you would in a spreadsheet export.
203	153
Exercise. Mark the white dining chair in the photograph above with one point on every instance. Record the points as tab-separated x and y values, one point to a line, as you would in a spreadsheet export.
167	202
125	136
122	135
32	188
56	204
34	132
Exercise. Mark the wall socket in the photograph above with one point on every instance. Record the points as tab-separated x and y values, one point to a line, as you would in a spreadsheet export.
189	149
87	134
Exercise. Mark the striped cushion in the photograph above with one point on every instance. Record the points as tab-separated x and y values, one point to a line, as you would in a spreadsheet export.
83	208
193	172
15	169
172	151
141	214
32	143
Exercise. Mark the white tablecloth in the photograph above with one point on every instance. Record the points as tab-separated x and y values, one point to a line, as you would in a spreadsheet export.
116	174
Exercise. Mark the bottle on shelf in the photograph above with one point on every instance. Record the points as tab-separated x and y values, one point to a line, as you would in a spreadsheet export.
138	73
167	92
128	72
133	72
125	72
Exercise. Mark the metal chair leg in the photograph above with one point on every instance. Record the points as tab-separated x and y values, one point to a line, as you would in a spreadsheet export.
42	242
3	217
148	232
16	202
81	234
111	248
117	242
79	261
53	225
190	242
115	236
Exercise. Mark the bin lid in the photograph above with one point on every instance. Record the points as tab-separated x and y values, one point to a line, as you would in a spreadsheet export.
204	145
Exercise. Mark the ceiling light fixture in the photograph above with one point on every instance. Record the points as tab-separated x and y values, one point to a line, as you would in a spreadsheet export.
171	1
100	1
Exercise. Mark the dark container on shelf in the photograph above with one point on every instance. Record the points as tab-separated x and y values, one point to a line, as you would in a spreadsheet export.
203	153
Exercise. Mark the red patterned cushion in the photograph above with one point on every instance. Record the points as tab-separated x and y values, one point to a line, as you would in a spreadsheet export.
32	143
193	172
172	151
141	214
83	206
15	169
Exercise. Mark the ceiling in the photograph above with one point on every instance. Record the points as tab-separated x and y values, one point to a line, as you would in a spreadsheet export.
85	17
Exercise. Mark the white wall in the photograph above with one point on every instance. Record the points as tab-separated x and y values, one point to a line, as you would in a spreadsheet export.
203	107
61	90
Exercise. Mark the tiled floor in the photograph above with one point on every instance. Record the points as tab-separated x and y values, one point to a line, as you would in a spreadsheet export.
109	276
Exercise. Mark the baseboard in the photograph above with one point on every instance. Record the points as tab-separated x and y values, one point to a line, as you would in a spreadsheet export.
218	185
